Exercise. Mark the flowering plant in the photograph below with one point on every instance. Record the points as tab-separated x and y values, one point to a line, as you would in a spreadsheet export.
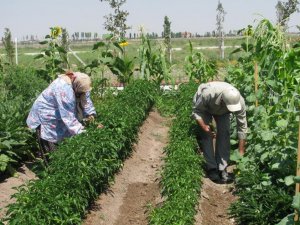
53	61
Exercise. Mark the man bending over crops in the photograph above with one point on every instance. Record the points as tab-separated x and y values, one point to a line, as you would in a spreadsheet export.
216	100
56	112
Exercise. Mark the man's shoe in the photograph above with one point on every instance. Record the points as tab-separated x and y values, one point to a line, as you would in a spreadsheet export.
213	175
225	176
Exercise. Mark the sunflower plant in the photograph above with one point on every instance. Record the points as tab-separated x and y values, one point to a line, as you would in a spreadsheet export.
113	55
122	65
53	62
198	67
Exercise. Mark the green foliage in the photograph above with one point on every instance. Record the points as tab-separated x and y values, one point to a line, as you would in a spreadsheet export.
65	44
22	82
8	46
284	10
123	68
167	38
113	56
182	173
273	126
165	102
288	220
259	202
153	64
84	165
54	63
1	64
116	23
16	141
198	67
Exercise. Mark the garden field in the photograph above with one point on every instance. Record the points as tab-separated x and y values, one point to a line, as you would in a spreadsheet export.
180	46
145	165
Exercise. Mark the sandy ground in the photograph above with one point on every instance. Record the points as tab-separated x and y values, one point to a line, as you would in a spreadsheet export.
136	186
214	202
7	187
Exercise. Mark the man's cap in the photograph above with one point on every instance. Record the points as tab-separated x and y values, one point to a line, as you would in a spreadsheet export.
231	98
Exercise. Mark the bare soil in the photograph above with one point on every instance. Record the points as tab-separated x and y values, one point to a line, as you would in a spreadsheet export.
136	186
214	203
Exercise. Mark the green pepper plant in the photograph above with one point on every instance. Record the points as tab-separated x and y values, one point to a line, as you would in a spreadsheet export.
182	171
84	165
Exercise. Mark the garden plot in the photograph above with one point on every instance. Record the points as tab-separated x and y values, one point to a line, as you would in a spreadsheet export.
9	185
136	187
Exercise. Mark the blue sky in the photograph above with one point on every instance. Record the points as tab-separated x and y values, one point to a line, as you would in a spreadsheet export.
26	17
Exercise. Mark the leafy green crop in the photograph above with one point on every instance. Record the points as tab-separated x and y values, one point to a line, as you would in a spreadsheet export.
84	165
166	102
182	172
16	141
198	67
264	197
152	61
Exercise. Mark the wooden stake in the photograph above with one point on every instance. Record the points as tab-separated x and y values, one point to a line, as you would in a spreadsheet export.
296	218
256	81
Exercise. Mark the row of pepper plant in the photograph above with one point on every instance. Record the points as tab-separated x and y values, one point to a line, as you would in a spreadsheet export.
182	172
16	140
84	165
264	175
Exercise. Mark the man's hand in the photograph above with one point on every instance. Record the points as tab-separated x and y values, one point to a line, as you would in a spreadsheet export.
206	128
242	143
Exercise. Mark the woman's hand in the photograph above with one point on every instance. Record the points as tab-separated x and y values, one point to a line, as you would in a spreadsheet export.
90	119
100	126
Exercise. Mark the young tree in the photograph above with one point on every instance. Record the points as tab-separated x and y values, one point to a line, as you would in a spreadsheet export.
284	10
65	43
116	23
167	38
8	46
95	35
220	32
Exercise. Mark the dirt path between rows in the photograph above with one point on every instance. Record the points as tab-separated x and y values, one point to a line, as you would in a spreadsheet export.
136	186
214	203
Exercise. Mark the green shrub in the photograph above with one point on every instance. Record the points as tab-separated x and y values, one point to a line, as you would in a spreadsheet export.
20	88
84	164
